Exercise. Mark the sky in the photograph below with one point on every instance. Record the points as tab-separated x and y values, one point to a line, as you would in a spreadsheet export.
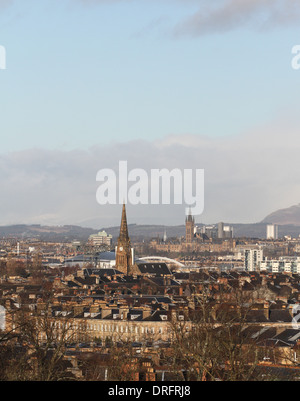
186	84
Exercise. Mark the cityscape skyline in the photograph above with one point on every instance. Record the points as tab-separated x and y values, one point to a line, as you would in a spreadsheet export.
150	198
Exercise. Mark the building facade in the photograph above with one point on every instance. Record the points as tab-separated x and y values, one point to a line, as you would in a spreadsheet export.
102	238
272	231
252	258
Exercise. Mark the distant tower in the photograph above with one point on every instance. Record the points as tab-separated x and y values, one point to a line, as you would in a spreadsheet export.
189	228
272	231
220	230
124	252
165	236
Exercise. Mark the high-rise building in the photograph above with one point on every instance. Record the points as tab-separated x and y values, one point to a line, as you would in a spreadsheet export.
124	251
252	258
220	230
272	231
224	232
209	231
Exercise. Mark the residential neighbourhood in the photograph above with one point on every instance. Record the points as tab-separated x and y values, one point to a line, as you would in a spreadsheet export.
102	302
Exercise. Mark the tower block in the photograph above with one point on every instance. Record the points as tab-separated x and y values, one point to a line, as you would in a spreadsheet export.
124	251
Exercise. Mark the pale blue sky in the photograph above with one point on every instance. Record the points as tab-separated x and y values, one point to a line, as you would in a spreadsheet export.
208	84
79	74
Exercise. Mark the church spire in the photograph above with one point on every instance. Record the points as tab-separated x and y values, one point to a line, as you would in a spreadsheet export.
124	252
123	228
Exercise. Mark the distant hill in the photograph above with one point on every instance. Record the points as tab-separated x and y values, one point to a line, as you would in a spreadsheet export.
138	231
46	233
290	215
258	230
70	232
287	219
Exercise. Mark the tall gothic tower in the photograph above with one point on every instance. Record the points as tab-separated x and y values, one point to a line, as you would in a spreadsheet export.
124	253
189	228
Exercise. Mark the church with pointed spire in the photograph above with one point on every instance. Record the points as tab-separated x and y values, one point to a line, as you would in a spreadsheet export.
124	251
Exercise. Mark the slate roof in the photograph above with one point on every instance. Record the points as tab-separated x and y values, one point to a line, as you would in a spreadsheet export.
72	284
280	315
256	315
154	268
86	280
161	282
134	314
157	316
288	337
101	272
258	333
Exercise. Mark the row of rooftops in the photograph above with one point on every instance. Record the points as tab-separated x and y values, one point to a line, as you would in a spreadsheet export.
113	290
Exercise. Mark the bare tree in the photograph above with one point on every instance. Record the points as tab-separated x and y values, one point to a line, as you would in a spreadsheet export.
44	337
211	344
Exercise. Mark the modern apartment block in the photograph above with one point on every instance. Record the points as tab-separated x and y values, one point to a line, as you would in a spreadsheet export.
281	265
220	231
272	231
252	258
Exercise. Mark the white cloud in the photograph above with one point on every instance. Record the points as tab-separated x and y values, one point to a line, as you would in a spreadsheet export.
246	178
219	17
225	15
216	16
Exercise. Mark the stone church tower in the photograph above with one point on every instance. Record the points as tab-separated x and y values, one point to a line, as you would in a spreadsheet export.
189	228
124	252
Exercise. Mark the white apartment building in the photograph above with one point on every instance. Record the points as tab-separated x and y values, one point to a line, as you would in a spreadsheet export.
284	264
272	231
252	257
102	238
